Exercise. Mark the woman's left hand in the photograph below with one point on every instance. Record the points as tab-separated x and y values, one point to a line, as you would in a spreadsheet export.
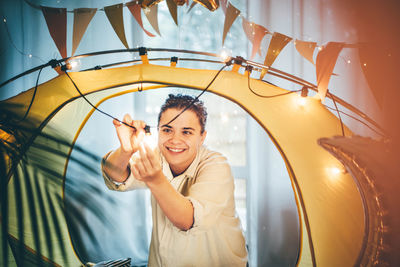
147	166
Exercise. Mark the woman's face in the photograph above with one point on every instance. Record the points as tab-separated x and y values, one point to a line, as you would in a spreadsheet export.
180	140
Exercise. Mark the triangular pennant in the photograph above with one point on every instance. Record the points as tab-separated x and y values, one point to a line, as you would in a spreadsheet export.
231	14
278	42
152	16
135	9
326	61
114	15
82	18
56	20
173	10
306	49
255	33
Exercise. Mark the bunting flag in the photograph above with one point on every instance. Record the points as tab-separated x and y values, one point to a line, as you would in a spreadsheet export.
56	20
326	61
114	15
278	42
82	18
306	49
173	10
231	14
135	9
152	16
255	33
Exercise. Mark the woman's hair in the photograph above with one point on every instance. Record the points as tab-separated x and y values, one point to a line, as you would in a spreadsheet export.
180	102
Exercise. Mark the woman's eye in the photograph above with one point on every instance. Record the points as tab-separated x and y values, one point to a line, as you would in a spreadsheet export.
166	130
187	132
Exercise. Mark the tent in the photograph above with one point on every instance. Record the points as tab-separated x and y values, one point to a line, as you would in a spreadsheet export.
341	223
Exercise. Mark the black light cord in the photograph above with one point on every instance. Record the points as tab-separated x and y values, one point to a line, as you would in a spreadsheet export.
354	118
33	97
248	69
99	110
147	128
340	118
197	97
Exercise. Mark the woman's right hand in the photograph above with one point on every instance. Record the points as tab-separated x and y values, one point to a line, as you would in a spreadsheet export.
129	138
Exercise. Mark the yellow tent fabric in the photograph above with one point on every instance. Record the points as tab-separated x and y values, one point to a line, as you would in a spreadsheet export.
329	204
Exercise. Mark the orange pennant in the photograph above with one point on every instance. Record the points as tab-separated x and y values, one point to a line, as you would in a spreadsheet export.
135	9
114	15
82	18
173	10
56	20
231	14
277	43
326	61
152	16
255	33
306	49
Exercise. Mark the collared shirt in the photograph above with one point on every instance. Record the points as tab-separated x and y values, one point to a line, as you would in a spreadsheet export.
216	237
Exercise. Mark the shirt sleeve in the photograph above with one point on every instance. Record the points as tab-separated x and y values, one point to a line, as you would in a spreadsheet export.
129	184
212	193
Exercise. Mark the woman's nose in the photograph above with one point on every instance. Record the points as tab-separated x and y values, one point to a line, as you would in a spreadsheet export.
175	138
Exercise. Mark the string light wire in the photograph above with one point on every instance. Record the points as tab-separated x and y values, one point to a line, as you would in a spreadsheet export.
340	118
249	69
13	44
33	97
147	126
197	97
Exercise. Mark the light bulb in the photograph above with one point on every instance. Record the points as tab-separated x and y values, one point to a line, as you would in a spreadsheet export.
225	55
150	140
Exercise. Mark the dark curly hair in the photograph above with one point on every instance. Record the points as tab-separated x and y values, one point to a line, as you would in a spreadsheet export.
180	102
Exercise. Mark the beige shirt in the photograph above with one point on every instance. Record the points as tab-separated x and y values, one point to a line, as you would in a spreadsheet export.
216	238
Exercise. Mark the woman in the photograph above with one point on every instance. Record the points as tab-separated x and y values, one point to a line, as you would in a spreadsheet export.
193	208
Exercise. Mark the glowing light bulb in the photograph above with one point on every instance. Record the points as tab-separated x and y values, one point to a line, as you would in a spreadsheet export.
74	64
4	20
30	55
348	61
151	141
225	55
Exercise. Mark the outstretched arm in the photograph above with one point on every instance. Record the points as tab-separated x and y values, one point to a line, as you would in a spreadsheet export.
116	165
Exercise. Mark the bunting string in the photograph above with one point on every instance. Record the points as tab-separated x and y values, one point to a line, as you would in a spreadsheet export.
255	33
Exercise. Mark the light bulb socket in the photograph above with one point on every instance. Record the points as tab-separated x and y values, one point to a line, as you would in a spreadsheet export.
174	59
142	51
304	91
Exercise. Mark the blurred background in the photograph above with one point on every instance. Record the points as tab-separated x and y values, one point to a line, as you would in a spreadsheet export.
365	75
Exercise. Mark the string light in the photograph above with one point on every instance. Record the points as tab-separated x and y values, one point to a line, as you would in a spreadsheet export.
225	54
348	61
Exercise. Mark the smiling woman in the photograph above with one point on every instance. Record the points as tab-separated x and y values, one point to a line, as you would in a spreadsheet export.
193	207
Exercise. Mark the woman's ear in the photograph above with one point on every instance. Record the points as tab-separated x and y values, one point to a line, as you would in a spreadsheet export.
203	137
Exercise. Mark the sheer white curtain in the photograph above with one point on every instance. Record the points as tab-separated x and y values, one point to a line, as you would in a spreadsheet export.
272	220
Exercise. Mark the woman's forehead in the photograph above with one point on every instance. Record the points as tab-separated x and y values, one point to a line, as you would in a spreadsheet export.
187	119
